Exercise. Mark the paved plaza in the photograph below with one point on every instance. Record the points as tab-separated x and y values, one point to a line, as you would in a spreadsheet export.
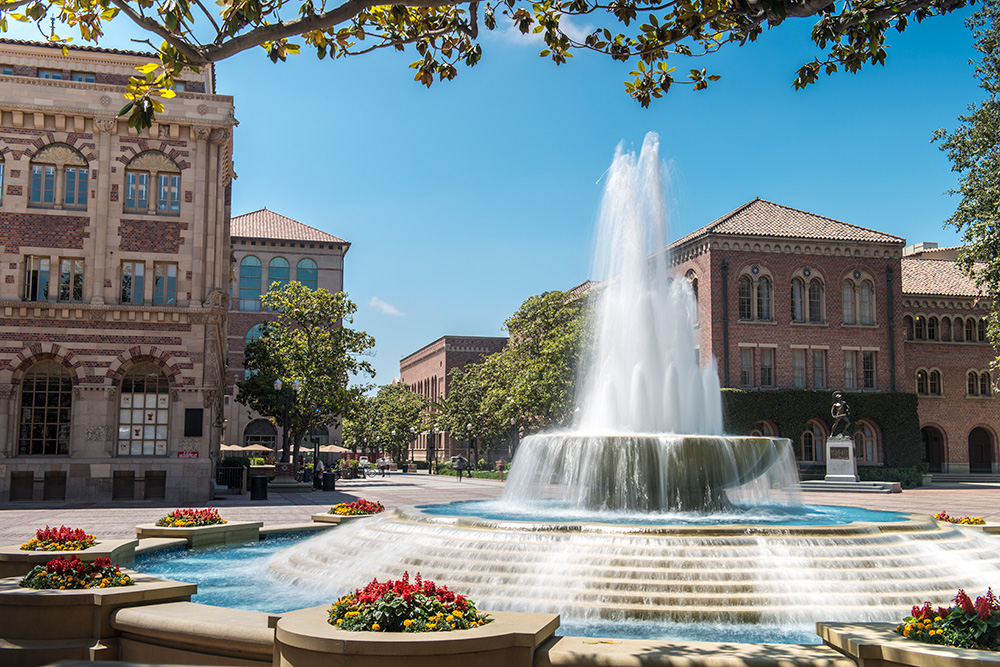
400	489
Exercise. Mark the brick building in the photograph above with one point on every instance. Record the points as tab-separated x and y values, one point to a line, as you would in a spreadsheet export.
269	247
426	372
115	269
790	299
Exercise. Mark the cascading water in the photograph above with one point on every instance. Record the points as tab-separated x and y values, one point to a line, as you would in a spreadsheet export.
643	392
629	517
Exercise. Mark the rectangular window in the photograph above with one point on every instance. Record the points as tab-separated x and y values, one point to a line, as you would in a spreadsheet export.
868	362
84	77
850	372
55	75
170	193
819	369
799	368
71	280
746	367
36	279
766	367
136	190
76	187
7	70
164	284
43	185
133	274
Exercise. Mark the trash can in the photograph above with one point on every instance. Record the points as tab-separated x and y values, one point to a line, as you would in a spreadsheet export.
258	487
329	481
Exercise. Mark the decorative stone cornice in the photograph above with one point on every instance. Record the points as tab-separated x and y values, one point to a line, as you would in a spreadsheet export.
949	303
112	312
777	245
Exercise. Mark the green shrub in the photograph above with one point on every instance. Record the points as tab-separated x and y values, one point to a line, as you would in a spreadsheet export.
234	462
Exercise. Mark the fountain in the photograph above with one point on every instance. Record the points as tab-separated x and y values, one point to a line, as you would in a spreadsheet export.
628	517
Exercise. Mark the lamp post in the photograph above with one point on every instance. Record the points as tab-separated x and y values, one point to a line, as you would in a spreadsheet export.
513	436
413	438
286	400
472	451
393	439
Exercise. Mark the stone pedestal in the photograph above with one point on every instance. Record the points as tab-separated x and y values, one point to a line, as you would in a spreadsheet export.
16	563
841	466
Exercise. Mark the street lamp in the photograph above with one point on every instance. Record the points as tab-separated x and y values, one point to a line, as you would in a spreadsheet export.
286	401
413	438
513	436
393	438
472	443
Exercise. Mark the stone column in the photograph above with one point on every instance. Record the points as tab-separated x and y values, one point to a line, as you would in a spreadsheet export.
100	271
202	174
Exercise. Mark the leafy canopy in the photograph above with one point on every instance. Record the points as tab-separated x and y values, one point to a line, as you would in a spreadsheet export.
383	422
974	151
308	342
444	34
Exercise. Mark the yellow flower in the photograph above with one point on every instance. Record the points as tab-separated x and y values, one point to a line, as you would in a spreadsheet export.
457	613
339	620
906	631
376	626
432	625
407	623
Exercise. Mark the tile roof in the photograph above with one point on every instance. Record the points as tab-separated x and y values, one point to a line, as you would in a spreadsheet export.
760	217
266	224
936	277
78	47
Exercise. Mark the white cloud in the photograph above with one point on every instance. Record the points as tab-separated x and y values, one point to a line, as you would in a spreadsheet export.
507	31
385	307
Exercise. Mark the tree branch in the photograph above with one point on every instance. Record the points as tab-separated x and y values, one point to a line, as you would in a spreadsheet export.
182	46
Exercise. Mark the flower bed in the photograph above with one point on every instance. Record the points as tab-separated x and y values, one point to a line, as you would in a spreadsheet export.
191	518
61	574
359	507
401	606
59	539
965	520
966	624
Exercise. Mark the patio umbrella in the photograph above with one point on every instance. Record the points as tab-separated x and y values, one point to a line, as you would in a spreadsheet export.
231	448
333	449
256	448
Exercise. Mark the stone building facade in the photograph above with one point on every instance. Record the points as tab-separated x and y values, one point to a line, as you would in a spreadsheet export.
426	372
269	247
792	300
114	257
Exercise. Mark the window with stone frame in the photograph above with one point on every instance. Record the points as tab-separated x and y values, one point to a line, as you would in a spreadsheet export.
868	367
36	278
819	369
850	369
133	281
45	410
857	297
250	270
70	279
932	328
164	283
692	279
922	381
746	367
972	383
755	295
767	366
985	384
59	178
152	185
982	330
812	443
934	383
970	330
798	368
866	444
143	411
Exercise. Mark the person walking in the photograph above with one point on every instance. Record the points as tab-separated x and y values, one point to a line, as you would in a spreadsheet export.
318	474
460	467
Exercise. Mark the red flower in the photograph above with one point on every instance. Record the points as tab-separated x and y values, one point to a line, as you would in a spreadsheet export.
963	601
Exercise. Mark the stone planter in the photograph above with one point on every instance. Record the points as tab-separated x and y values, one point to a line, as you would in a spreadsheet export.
877	645
16	563
262	470
334	518
926	480
234	532
40	627
304	638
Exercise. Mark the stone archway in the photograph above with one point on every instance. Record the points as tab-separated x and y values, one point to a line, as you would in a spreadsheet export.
980	451
933	441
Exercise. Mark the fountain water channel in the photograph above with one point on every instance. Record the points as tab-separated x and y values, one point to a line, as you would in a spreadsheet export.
629	517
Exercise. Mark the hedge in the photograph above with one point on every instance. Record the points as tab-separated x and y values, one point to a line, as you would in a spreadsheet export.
790	410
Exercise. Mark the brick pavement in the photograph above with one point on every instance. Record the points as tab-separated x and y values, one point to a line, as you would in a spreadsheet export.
19	523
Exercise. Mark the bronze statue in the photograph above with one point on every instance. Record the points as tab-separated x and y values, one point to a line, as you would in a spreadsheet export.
841	413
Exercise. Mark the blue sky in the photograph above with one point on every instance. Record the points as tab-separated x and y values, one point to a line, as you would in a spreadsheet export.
466	198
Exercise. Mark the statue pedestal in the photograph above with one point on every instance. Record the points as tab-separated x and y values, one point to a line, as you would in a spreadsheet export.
841	465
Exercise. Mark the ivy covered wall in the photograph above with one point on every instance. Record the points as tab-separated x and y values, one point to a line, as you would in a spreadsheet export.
790	410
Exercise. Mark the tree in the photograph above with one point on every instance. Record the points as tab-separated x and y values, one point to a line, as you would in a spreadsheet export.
399	413
531	381
974	151
309	343
445	33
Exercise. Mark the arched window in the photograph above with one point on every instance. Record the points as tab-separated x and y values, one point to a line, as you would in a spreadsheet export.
932	328
812	443
935	383
692	279
866	300
260	432
920	327
46	409
764	299
972	383
982	330
815	301
865	443
59	178
970	330
958	327
152	184
764	429
255	332
945	328
908	325
306	273
144	412
798	300
277	272
250	283
746	298
985	385
847	301
921	382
